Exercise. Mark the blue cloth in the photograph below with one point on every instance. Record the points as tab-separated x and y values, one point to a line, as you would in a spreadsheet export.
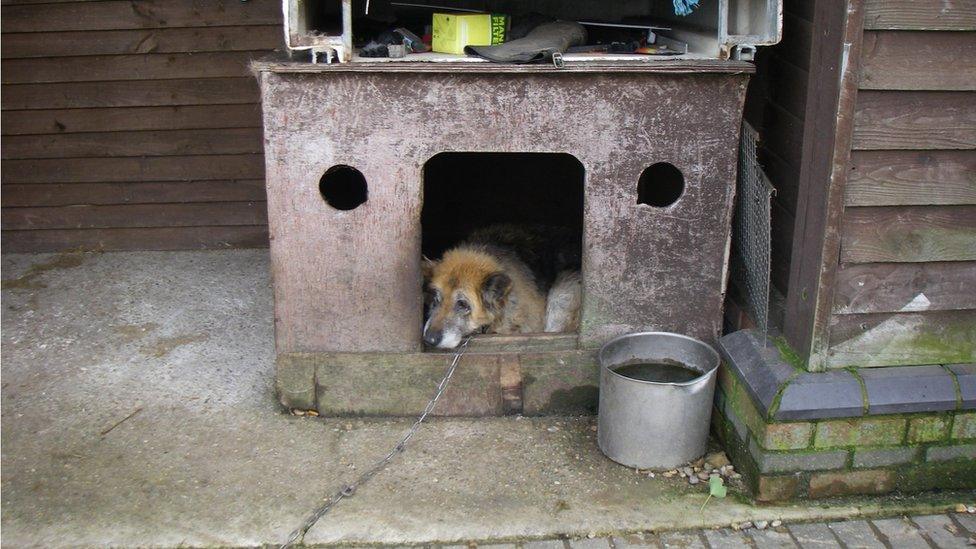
684	7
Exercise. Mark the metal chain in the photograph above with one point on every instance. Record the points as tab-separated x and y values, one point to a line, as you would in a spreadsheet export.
350	489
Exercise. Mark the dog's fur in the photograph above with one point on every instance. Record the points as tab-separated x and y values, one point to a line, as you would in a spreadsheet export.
498	280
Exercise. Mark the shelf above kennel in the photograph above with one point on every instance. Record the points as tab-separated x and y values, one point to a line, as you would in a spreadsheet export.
330	30
574	63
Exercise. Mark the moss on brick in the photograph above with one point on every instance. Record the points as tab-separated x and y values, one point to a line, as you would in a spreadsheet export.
742	404
860	432
964	426
951	475
928	429
787	436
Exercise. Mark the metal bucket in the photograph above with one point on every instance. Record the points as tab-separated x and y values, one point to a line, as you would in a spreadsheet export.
655	424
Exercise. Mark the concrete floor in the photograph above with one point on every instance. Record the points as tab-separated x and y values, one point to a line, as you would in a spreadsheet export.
183	340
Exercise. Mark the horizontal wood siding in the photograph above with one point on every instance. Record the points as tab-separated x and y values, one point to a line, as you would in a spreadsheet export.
906	286
133	124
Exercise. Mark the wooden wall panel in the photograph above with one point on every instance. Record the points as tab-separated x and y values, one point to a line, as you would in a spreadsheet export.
939	61
133	124
959	15
885	339
153	238
176	117
205	39
909	234
911	178
905	287
914	120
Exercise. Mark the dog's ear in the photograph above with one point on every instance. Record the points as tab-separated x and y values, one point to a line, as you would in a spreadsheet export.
427	268
495	290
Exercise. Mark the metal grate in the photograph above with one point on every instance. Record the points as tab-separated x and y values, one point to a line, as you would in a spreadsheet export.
751	231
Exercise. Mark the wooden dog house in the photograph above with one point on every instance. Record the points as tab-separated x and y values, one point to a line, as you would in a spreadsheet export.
346	146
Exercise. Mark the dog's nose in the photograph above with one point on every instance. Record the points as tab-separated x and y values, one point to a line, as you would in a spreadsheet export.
433	337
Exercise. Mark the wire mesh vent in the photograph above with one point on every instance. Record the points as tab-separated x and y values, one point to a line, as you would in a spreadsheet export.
751	232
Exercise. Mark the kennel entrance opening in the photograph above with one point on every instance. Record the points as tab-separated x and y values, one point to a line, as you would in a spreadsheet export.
465	191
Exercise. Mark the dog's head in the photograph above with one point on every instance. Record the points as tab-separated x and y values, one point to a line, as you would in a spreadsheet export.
465	294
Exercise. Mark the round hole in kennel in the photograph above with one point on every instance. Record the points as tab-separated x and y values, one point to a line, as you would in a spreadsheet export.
660	185
343	187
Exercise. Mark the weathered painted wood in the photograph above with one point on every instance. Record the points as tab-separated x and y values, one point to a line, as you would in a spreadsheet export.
121	42
143	143
503	343
125	239
827	134
909	234
886	339
101	170
920	14
905	287
797	39
131	192
906	178
136	215
915	120
790	88
179	117
143	66
560	383
361	290
137	14
893	60
401	384
142	93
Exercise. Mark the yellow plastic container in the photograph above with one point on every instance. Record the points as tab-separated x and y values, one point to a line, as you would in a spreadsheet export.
452	32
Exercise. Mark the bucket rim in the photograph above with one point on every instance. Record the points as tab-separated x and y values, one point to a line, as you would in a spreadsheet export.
700	379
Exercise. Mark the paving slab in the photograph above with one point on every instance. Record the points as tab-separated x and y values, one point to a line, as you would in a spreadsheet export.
814	536
901	533
682	540
138	410
856	534
942	531
772	539
725	538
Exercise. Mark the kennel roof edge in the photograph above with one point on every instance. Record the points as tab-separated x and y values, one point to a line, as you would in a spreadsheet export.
281	64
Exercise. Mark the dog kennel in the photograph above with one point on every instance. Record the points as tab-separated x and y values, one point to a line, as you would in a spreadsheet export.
362	155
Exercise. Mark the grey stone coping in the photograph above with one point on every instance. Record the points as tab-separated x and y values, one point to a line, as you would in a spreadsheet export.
966	376
757	364
838	393
909	389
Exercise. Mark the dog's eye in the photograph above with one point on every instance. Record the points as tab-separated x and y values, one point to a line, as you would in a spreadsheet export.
462	306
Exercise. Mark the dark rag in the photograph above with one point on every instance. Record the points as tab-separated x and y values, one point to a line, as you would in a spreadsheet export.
538	45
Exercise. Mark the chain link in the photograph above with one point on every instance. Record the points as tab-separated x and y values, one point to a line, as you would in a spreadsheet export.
350	489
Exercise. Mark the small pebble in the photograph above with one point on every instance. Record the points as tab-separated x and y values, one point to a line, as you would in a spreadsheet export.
703	475
762	524
593	428
745	525
669	474
693	480
297	412
961	508
591	535
552	429
736	476
650	475
687	471
776	523
971	509
313	413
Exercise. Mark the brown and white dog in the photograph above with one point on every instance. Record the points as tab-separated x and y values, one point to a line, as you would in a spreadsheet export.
503	280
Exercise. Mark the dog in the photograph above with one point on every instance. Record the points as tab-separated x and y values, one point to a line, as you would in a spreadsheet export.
503	279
